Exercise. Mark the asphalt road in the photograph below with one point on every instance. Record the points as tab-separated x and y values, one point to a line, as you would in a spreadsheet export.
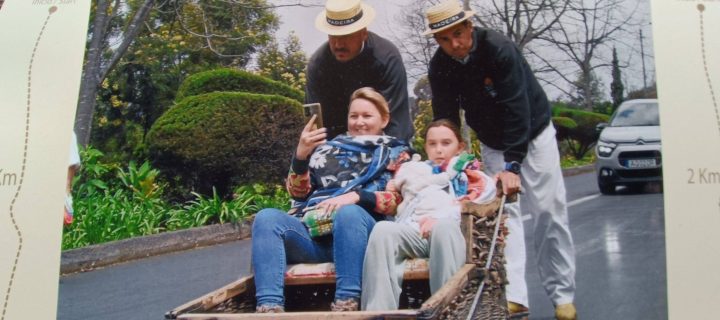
619	239
620	256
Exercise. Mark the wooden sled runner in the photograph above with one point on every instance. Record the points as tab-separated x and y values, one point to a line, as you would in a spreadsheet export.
309	290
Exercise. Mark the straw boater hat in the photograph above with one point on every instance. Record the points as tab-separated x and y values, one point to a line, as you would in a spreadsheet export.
445	15
342	17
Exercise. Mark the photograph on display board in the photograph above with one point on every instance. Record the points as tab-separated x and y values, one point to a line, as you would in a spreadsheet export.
191	126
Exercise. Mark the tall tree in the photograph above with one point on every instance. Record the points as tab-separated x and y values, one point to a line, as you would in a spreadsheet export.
588	91
114	26
521	20
582	38
417	49
179	38
231	31
285	65
616	87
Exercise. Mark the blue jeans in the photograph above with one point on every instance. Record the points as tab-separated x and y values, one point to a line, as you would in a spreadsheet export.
279	239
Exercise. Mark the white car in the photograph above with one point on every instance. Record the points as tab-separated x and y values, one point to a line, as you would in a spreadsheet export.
628	150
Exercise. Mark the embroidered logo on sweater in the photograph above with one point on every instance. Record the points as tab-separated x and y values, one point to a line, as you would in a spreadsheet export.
489	88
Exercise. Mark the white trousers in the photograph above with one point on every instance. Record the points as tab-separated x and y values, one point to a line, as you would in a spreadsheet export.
543	197
391	243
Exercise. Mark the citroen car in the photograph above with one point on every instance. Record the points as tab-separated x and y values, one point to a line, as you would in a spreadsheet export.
628	150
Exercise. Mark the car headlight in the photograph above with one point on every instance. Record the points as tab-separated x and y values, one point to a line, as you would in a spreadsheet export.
605	149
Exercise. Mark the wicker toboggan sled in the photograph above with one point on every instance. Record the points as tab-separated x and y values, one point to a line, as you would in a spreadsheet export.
310	289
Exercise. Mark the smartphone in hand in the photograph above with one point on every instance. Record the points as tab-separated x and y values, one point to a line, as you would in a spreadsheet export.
314	109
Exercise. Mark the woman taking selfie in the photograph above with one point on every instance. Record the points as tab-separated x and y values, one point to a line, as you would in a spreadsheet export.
342	181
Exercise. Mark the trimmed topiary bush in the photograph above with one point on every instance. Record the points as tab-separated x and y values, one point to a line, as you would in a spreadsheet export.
582	136
223	139
563	125
235	81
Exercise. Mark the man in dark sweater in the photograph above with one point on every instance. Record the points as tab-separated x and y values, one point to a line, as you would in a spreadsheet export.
351	59
485	74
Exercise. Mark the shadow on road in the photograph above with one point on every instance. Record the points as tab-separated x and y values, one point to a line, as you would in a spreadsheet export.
646	188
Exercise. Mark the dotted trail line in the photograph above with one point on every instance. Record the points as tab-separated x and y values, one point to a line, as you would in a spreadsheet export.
701	9
24	162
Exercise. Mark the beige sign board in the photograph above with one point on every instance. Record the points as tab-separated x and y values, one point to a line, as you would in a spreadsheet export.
687	51
42	44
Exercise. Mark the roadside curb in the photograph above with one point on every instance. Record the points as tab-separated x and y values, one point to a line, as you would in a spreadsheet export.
102	255
578	170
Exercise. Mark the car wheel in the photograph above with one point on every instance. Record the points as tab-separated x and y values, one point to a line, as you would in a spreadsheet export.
606	188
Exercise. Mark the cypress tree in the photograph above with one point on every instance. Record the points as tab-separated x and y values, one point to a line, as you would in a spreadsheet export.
616	87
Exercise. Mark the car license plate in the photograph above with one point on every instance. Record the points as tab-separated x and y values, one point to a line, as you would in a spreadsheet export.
641	163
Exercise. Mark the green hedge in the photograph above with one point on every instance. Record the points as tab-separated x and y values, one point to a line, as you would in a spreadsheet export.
232	80
563	125
223	139
577	127
580	117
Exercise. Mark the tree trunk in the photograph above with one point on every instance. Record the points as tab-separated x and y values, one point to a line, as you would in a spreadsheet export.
90	82
95	69
588	92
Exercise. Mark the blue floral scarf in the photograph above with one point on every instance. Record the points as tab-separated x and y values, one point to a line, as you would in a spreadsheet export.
349	163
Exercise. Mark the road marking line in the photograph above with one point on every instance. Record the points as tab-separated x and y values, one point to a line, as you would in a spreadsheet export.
527	217
583	199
